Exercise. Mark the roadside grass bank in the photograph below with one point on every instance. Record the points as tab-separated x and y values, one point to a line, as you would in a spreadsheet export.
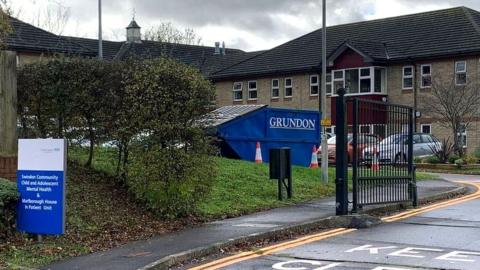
100	216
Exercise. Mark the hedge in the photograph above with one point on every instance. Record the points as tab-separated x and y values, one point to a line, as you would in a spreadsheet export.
8	200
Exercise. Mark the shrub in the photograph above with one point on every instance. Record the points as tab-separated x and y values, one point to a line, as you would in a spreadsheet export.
8	201
433	160
170	181
170	167
470	159
452	159
444	152
459	162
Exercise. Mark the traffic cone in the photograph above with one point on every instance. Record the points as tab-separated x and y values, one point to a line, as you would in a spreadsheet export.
314	161
258	154
375	163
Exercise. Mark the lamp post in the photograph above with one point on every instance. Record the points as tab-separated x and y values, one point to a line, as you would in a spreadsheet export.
100	43
323	96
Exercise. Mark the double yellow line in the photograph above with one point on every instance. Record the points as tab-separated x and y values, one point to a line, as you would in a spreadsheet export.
428	208
243	256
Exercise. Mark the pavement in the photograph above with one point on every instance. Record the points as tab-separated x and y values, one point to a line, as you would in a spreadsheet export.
443	238
163	251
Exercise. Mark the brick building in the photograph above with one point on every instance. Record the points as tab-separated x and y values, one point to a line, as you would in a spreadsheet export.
394	59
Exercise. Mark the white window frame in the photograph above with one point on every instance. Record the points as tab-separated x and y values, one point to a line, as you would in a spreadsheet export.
407	77
371	72
370	129
237	90
426	125
371	77
425	75
275	88
288	86
338	80
457	72
252	89
329	84
314	84
331	128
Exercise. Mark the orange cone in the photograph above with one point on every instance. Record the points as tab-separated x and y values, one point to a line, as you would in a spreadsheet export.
258	154
375	163
314	161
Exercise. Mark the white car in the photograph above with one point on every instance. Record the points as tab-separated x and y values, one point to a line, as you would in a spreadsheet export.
394	148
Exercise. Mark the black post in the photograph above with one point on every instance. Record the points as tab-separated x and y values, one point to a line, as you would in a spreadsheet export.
281	179
411	170
355	157
341	181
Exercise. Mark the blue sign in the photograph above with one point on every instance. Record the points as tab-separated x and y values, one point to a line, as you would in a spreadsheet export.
41	184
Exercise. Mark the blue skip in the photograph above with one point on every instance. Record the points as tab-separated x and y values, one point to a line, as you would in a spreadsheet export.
242	126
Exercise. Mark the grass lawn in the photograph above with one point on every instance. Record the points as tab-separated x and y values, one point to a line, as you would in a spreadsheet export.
242	187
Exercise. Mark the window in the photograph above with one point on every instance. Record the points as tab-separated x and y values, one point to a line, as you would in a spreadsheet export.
330	129
351	80
407	77
462	135
460	73
314	85
360	80
275	88
337	80
365	129
426	71
380	80
288	87
365	80
252	90
329	84
426	128
237	91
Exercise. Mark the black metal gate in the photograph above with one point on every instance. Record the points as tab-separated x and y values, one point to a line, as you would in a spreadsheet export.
379	146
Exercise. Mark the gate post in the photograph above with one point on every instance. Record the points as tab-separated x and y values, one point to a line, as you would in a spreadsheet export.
341	179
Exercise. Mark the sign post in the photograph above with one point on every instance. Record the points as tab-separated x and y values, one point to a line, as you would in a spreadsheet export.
41	181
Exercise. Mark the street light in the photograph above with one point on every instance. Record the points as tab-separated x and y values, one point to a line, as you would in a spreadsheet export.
323	96
100	43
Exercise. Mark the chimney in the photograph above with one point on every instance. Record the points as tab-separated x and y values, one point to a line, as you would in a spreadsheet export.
223	48
133	32
217	48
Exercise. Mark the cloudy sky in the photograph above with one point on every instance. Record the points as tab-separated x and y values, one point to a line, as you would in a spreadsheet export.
244	24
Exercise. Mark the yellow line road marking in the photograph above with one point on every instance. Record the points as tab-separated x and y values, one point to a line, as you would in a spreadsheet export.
271	249
424	209
243	256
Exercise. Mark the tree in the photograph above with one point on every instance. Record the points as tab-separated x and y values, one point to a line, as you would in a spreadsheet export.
5	27
166	32
453	106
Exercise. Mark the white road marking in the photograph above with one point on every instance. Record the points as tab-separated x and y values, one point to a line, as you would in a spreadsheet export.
458	256
411	252
371	249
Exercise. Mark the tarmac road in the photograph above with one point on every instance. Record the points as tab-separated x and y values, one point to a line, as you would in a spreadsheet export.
442	238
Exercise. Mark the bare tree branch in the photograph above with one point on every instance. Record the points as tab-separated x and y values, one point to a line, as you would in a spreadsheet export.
454	106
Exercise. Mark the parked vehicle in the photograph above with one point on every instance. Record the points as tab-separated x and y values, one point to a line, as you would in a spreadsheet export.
393	149
364	140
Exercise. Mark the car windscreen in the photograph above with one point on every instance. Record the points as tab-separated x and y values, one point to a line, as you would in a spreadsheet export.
395	139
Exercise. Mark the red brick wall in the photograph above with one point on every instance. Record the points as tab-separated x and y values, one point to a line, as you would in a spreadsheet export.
8	168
